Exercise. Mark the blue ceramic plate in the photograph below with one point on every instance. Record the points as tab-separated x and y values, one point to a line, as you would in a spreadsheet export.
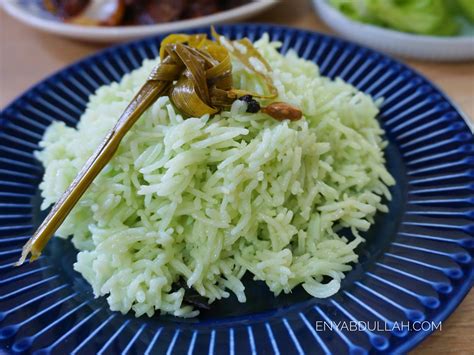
416	265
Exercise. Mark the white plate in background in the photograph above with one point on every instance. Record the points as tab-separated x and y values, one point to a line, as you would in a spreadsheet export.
31	13
454	48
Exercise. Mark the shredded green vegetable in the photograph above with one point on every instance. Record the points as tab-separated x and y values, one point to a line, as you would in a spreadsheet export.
425	17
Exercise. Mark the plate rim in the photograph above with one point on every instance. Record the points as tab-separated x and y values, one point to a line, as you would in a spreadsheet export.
453	302
120	33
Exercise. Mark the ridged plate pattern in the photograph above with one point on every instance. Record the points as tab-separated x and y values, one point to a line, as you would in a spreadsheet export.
418	266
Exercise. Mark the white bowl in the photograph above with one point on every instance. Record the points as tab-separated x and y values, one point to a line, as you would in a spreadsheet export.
31	13
454	48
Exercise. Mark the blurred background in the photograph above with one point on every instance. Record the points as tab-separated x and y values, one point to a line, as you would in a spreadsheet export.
28	55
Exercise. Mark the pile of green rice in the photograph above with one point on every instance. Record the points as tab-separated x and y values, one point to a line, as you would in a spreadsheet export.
206	200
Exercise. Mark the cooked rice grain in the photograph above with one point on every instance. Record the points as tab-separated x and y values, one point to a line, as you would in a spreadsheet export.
209	199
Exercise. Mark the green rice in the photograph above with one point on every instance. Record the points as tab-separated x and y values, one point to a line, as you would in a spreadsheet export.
207	200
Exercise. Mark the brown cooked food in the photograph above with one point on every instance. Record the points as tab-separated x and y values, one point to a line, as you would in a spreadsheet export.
134	12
